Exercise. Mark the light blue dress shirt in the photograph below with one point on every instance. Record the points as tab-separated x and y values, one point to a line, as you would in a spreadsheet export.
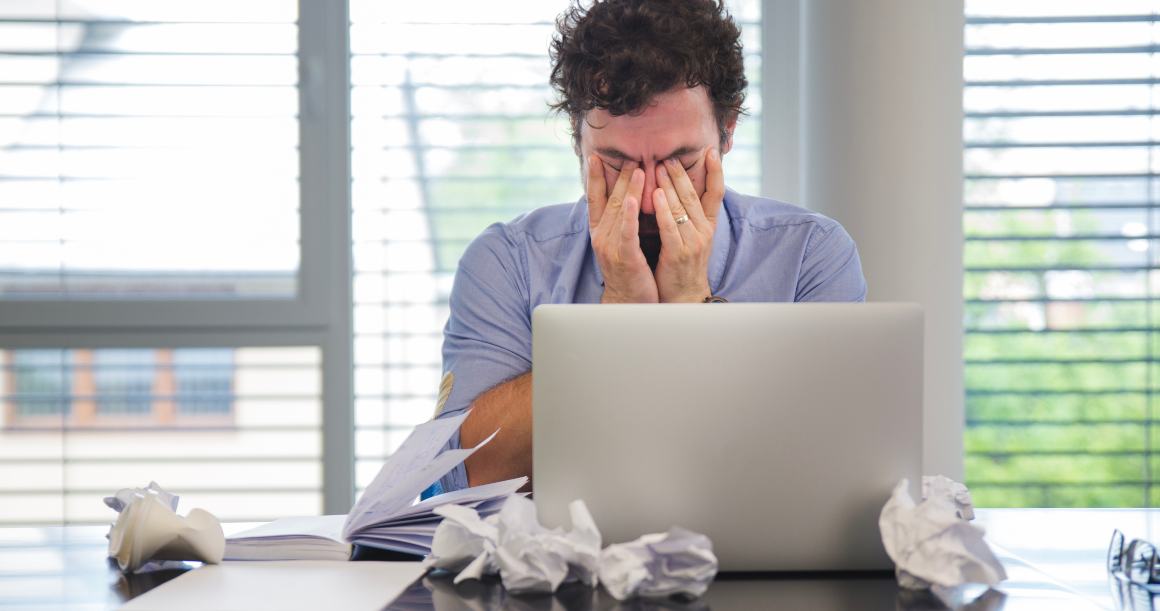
763	250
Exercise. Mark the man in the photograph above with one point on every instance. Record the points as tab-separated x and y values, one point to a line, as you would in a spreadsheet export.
653	89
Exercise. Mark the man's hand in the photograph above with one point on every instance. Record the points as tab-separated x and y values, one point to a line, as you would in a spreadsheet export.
683	268
613	227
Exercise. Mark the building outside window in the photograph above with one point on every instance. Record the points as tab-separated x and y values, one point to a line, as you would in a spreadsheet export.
120	387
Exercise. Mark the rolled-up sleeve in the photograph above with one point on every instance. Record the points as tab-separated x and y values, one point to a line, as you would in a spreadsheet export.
488	336
831	269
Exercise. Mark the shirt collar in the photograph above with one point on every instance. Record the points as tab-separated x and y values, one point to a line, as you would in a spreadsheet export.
722	241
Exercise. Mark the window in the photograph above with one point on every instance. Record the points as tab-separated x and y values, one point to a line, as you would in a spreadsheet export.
40	384
204	380
167	304
136	128
236	431
123	381
1061	165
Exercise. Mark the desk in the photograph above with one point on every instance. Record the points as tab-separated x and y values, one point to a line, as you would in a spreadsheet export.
1069	545
1054	559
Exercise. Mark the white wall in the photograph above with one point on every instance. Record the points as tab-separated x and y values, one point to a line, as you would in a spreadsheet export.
877	91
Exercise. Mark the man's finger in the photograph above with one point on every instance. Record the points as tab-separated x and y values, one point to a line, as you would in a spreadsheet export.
616	198
673	201
629	227
714	185
631	189
686	192
636	185
597	191
670	231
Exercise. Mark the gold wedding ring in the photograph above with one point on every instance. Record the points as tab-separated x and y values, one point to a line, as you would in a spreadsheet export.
681	220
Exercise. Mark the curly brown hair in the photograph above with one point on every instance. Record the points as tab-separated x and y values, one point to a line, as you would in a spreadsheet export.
619	54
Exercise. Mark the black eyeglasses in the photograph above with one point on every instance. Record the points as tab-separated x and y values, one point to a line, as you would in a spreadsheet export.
1134	560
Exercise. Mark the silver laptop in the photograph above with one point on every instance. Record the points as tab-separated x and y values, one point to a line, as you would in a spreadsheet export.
778	430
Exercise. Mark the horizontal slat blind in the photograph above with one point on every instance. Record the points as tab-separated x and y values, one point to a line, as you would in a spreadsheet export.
1061	231
236	431
148	150
451	132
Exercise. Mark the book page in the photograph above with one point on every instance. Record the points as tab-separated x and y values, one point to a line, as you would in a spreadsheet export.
423	444
476	494
387	496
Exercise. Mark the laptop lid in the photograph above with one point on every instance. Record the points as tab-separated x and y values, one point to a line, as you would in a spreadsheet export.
778	430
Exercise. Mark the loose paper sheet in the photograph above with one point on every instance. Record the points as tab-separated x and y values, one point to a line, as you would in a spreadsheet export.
285	586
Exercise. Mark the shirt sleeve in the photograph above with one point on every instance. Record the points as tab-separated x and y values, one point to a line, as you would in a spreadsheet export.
488	336
831	269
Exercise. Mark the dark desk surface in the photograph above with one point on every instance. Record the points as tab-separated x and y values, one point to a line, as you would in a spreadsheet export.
1054	559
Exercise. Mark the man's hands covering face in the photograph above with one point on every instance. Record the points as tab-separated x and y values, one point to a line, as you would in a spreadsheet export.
682	269
613	227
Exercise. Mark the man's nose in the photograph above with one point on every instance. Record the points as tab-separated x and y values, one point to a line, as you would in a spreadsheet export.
650	185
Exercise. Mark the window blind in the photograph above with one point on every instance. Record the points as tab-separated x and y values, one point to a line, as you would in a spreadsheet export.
236	431
1061	278
148	150
451	132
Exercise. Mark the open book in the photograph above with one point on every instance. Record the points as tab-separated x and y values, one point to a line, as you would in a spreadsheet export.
386	516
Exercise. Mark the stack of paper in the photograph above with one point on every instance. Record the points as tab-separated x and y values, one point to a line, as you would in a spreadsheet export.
386	516
411	529
315	538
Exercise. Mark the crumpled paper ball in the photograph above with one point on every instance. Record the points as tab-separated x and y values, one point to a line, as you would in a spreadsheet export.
659	565
148	530
464	543
931	542
531	558
940	486
123	497
527	556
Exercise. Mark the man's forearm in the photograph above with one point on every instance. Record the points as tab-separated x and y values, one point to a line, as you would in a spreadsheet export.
507	407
